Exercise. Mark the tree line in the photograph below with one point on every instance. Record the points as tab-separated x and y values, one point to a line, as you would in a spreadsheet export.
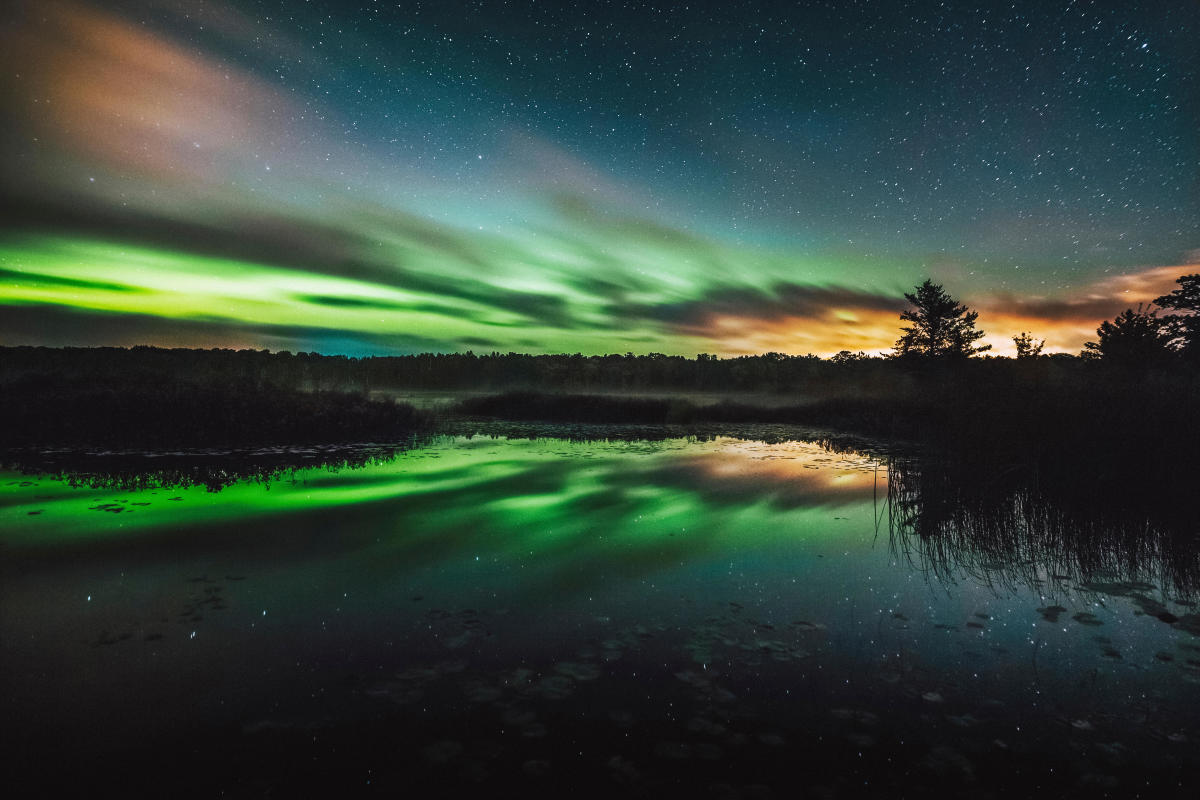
937	332
941	327
122	367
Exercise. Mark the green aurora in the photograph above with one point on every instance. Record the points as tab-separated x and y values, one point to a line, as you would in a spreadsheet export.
401	182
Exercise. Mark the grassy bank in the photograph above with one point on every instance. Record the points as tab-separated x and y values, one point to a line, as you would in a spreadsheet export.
56	412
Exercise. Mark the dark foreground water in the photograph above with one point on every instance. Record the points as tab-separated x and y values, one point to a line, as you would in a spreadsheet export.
726	618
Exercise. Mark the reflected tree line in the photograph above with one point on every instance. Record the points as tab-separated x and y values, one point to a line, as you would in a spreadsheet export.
993	522
213	469
1005	527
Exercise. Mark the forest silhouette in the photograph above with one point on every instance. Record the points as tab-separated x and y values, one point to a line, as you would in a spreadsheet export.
1123	398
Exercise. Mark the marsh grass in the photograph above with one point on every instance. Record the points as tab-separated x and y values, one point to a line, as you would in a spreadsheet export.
1006	527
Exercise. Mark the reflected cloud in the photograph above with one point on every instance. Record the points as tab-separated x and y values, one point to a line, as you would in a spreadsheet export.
785	475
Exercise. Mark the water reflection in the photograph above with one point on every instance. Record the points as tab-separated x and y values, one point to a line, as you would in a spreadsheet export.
1005	527
786	475
949	521
712	612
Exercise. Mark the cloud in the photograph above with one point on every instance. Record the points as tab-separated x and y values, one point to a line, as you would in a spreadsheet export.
1099	300
63	326
788	317
295	242
127	135
257	237
578	209
783	301
1067	322
796	318
133	101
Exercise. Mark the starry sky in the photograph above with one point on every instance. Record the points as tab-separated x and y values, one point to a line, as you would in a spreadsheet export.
726	177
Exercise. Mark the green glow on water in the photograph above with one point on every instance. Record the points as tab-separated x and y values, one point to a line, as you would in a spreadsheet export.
727	557
506	496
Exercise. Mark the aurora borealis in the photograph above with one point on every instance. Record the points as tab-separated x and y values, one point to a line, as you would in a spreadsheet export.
603	177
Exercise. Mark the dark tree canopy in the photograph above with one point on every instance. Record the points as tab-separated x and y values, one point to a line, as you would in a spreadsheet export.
1185	327
941	326
1027	346
1133	338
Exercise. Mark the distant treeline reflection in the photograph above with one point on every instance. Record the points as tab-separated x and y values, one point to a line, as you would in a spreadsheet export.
214	470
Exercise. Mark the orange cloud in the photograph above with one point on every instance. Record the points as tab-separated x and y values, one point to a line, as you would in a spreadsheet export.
105	90
860	322
824	334
1066	324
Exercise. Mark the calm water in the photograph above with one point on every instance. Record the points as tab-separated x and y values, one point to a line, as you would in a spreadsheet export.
729	616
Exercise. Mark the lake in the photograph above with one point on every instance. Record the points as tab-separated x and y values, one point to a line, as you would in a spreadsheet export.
735	616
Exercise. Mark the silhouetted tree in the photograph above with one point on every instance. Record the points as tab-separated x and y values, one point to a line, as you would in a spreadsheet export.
1133	338
845	357
1185	327
941	326
1026	346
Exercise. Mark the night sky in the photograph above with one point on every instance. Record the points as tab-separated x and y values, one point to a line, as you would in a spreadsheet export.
593	177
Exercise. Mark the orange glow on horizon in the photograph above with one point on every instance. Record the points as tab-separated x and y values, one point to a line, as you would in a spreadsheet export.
1065	324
